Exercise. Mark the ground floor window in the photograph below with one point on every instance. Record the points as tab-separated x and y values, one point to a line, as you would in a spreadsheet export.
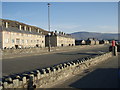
13	41
27	41
22	41
6	40
17	41
37	41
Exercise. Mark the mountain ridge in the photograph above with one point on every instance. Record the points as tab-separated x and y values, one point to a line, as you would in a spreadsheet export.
85	35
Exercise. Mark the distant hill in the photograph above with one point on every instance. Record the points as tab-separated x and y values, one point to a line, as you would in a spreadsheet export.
100	36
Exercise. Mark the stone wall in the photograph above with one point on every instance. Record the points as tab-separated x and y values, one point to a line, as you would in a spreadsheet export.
40	78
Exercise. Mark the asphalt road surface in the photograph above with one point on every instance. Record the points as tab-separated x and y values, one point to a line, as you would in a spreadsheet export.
21	64
103	75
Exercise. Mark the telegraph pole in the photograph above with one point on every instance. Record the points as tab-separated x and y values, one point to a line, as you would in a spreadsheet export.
49	26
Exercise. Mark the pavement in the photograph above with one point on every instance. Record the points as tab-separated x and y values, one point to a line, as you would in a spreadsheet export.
21	64
102	75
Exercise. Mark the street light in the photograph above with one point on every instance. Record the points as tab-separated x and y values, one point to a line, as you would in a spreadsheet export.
49	26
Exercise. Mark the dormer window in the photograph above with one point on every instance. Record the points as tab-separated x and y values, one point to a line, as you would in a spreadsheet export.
38	31
29	29
20	27
25	28
41	32
6	24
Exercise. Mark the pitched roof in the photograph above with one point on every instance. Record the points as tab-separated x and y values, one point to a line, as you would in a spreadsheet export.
61	35
12	29
22	31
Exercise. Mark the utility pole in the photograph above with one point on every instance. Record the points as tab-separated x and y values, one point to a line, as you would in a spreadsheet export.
49	26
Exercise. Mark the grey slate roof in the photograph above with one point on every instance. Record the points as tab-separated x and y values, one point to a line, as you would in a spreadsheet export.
67	36
12	29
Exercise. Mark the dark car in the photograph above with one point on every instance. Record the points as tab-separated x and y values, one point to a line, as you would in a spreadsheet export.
118	48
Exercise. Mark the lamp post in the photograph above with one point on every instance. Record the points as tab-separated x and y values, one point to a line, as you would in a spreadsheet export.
49	26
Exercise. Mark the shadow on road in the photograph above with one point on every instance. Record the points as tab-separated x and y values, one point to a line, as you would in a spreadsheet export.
99	78
77	53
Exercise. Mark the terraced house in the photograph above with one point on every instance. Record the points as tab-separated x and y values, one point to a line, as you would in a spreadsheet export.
14	34
59	39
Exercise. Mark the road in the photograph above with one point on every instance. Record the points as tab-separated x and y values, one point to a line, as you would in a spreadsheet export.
21	64
103	75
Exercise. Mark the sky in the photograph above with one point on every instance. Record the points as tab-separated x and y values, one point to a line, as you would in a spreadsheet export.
60	0
68	17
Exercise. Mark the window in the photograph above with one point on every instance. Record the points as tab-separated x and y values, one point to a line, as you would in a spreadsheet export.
37	41
22	27
13	41
6	40
26	41
18	41
22	40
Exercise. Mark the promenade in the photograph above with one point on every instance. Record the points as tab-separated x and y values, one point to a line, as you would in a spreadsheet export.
103	75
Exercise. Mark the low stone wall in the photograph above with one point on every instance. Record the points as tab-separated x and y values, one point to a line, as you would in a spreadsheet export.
36	51
50	75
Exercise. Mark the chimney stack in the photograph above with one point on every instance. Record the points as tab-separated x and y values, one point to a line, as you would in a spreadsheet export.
52	33
25	28
30	29
55	31
38	31
59	32
20	27
41	32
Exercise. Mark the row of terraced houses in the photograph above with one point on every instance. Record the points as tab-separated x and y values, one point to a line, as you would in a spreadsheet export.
14	34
